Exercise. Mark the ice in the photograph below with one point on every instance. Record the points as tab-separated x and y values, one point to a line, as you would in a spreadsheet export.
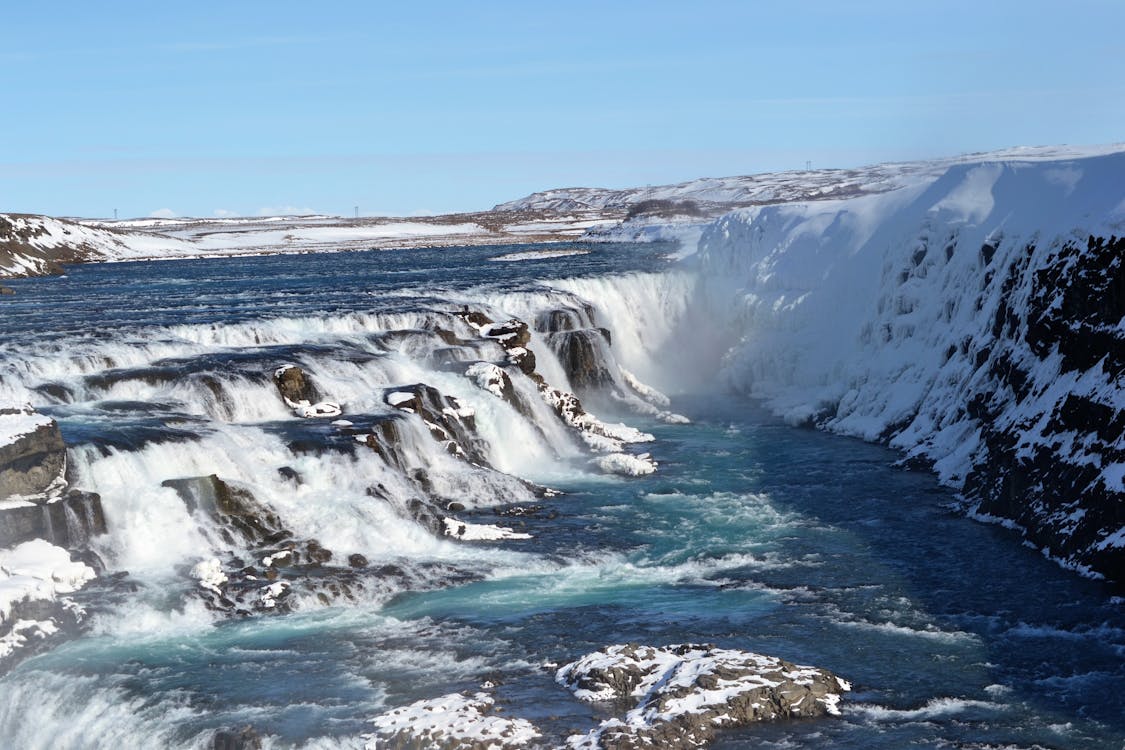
38	570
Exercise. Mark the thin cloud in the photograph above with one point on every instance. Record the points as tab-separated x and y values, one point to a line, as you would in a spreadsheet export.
163	213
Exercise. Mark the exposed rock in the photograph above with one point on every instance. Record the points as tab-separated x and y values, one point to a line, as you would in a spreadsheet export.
681	695
582	355
449	421
301	394
565	318
32	453
294	385
233	507
65	520
246	738
511	334
357	560
1052	461
4	290
35	611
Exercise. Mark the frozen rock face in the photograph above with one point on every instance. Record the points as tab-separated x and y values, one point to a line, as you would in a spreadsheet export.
681	695
972	321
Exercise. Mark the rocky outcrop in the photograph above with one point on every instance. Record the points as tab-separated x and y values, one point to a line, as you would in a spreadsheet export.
450	422
458	721
32	453
682	695
36	579
600	437
301	395
1052	459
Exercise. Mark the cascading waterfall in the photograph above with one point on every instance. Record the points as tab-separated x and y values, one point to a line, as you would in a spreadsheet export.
303	575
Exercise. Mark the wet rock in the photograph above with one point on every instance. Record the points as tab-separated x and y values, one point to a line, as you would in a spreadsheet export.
357	560
514	333
565	318
246	738
474	318
682	695
67	521
233	507
295	386
584	358
289	474
449	421
6	291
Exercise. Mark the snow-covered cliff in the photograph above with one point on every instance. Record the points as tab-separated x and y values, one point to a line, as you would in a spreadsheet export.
973	320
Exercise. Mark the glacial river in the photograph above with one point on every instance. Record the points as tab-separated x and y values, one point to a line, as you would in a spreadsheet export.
751	534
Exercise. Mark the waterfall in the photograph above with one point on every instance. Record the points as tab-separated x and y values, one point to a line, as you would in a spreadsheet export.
48	524
77	533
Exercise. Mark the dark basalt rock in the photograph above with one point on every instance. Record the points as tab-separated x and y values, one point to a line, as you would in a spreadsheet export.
246	738
67	521
514	333
475	318
582	355
565	318
1052	487
449	423
233	507
295	386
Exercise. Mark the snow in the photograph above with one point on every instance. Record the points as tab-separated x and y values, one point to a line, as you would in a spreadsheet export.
479	532
18	420
37	570
671	683
834	313
626	464
210	574
875	315
398	398
454	720
538	255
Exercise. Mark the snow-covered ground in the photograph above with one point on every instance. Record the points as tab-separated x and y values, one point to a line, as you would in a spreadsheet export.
35	245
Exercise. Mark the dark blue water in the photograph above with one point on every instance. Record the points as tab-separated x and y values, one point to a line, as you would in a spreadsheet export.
752	535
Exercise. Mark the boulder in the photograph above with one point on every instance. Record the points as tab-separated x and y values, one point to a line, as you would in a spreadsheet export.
456	721
681	695
246	738
6	291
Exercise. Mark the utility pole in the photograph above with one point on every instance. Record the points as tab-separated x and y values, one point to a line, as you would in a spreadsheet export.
357	212
115	214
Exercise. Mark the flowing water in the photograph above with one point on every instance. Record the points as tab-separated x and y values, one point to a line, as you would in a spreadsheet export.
752	534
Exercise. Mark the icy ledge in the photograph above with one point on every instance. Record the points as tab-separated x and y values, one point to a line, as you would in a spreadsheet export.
684	693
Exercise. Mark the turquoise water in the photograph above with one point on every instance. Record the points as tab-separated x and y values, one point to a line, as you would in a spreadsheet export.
752	535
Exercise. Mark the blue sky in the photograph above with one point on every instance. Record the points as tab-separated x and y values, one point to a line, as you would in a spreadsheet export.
247	107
